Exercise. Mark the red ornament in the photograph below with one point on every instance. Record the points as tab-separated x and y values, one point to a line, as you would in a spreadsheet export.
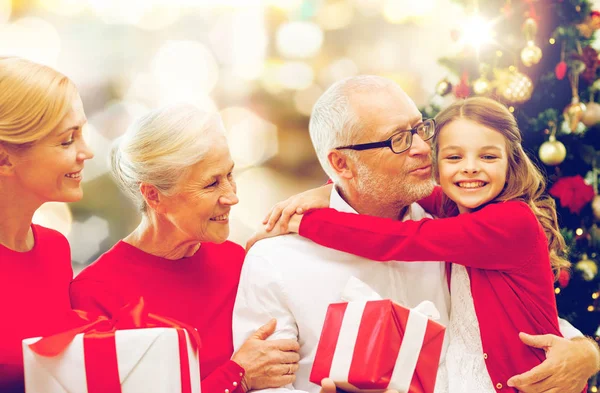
560	70
573	193
563	278
589	57
462	90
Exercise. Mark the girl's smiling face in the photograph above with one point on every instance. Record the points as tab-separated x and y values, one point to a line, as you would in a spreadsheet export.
472	163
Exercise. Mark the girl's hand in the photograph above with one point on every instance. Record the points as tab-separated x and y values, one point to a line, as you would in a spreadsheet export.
282	212
292	226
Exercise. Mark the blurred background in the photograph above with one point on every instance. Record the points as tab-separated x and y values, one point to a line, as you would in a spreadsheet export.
263	63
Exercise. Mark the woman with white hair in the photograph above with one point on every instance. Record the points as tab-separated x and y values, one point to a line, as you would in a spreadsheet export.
175	164
42	154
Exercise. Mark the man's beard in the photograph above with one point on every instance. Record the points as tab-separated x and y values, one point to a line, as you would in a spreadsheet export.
390	194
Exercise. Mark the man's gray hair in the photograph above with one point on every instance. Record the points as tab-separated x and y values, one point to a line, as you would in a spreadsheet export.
333	121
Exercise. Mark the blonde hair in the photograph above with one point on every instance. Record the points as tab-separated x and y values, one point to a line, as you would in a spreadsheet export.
524	181
159	147
33	100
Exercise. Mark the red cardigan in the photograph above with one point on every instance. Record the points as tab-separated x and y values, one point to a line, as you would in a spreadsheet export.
199	290
34	299
506	254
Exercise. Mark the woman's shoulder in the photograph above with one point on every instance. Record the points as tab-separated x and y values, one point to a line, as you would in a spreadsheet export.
103	266
227	257
227	249
49	237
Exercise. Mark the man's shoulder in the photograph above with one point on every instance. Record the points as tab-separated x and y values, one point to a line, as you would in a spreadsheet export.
290	243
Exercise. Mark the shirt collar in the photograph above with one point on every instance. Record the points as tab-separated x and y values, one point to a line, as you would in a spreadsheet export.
338	203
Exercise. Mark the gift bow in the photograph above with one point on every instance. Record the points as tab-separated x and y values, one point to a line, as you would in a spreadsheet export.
358	291
130	316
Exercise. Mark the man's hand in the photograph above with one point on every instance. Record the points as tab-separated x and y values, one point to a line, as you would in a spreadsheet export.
328	386
268	364
568	365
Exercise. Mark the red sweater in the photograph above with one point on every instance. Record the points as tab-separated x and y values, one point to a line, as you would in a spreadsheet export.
199	291
506	254
34	299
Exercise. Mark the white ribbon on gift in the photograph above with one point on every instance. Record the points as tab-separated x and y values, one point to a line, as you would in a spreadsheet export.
357	293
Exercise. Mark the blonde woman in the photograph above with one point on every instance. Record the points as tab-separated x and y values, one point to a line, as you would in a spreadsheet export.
42	154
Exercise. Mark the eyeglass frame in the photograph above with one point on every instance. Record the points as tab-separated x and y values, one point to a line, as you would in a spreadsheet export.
388	142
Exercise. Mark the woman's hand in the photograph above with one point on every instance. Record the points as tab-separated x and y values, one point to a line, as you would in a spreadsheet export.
282	212
268	364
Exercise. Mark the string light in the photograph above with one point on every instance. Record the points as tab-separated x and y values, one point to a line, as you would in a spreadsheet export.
595	295
579	232
552	41
594	389
557	291
511	109
590	308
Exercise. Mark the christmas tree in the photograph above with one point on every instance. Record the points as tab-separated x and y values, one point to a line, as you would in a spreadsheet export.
539	58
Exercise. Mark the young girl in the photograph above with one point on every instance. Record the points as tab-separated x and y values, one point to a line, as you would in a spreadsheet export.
504	252
42	153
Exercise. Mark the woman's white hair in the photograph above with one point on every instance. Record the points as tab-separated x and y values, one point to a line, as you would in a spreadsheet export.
159	147
333	121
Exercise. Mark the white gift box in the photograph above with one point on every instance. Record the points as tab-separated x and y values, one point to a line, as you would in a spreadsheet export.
148	361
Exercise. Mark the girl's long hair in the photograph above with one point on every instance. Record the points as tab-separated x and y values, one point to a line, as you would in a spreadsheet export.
524	181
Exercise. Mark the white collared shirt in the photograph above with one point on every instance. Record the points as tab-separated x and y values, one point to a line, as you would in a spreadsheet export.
294	280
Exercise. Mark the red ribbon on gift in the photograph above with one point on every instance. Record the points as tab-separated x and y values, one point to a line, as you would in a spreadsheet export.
100	350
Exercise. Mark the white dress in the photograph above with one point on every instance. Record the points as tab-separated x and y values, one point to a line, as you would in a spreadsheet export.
466	371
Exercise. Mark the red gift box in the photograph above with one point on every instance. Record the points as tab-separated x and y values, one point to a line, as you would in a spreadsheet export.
378	345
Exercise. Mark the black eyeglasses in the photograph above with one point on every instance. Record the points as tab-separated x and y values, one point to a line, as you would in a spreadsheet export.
400	141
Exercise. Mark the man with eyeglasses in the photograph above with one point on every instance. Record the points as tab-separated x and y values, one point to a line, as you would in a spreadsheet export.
371	140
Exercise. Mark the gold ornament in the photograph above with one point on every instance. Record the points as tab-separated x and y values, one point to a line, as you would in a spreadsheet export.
443	87
552	152
591	116
587	268
531	54
513	86
596	207
573	113
481	86
530	28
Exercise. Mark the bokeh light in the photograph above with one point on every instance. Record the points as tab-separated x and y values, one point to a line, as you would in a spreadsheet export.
401	11
32	38
305	99
295	75
335	15
55	215
252	140
5	10
63	7
299	40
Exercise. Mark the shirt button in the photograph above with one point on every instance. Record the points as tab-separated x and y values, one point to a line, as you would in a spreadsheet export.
499	386
235	384
485	355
